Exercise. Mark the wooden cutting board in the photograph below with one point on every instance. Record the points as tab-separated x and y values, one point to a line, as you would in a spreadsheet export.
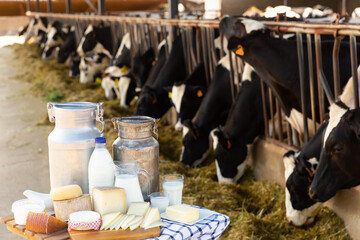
139	233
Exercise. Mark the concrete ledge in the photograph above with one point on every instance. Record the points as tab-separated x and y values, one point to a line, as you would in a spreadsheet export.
265	158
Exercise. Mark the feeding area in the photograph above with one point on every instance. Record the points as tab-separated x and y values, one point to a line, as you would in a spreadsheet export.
230	127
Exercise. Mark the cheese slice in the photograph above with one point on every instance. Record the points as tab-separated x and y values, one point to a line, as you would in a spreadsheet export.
182	213
138	208
114	223
123	218
108	219
152	216
125	224
135	225
156	224
65	192
135	220
109	199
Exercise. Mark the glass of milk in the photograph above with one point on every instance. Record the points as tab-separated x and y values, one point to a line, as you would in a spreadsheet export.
159	200
173	185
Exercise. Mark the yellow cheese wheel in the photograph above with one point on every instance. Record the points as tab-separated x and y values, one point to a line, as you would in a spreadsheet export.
65	192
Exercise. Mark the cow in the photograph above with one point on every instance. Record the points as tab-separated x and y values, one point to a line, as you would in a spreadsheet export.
37	28
187	95
92	65
96	39
55	37
67	47
252	41
337	164
110	82
300	168
244	123
213	111
74	63
154	99
123	53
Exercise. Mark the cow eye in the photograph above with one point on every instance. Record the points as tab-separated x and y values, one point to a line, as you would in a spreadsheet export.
337	149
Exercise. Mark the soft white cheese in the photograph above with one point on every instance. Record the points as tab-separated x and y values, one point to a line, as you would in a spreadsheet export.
138	208
182	213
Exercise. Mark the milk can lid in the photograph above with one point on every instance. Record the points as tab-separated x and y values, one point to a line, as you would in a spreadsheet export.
100	140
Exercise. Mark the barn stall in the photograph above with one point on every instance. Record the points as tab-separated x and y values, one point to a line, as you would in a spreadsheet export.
256	208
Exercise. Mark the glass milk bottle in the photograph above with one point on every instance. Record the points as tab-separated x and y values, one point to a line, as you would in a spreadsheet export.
101	166
173	186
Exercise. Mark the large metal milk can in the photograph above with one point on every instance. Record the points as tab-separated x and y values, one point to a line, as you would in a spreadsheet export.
72	141
136	143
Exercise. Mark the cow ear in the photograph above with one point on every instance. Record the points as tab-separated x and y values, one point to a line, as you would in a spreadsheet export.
353	119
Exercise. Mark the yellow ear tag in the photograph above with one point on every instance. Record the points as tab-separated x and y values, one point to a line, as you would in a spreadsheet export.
124	69
153	63
240	50
100	26
199	93
98	80
170	94
116	82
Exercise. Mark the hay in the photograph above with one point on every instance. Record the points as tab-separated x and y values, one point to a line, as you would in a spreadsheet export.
256	208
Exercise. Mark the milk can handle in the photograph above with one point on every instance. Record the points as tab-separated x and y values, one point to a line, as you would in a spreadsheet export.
114	121
50	108
99	115
147	176
155	128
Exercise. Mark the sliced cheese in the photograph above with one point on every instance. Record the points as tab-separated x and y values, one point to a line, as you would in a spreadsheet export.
136	220
157	224
135	225
138	208
123	218
114	223
109	219
109	199
65	192
153	215
182	213
125	224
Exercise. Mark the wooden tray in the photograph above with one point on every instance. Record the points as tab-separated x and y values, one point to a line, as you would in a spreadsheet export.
22	232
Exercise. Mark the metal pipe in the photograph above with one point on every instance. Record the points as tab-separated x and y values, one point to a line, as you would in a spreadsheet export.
343	7
266	122
336	68
173	10
354	64
272	112
318	70
204	53
101	7
28	5
300	51
183	40
188	49
197	42
37	6
279	122
231	77
68	6
49	6
209	54
288	133
311	79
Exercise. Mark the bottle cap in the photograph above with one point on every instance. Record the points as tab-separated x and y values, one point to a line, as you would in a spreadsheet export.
100	140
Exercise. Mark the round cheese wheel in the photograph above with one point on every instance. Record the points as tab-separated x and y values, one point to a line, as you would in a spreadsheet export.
84	220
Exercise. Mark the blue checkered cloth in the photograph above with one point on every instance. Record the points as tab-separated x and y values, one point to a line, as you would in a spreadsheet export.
208	228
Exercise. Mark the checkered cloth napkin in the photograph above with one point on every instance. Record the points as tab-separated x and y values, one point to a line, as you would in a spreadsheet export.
208	228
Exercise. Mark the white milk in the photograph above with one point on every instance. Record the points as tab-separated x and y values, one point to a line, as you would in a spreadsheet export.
173	190
101	168
161	202
132	187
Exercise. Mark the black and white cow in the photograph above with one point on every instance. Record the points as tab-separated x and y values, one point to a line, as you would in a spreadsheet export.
213	111
92	66
187	95
37	28
114	86
123	53
244	123
74	63
96	39
338	157
300	168
252	41
67	47
154	99
54	38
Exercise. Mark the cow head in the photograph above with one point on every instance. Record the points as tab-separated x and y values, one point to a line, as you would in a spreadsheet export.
91	65
339	160
110	82
196	145
230	157
239	27
153	102
141	66
56	34
123	54
300	209
74	63
67	47
50	52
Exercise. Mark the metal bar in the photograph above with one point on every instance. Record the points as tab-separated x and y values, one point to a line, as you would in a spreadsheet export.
49	6
209	54
68	6
197	42
343	7
204	56
183	40
326	87
288	133
354	64
336	68
37	6
101	7
318	69
272	113
311	79
222	45
231	77
188	50
300	51
28	5
279	122
173	10
266	122
237	74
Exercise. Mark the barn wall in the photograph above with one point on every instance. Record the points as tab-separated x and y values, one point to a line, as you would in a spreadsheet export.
237	7
265	159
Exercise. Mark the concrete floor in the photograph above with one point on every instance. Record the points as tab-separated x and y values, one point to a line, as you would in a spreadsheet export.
24	151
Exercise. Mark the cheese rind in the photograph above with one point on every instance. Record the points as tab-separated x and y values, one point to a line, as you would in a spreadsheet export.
84	220
109	199
138	208
65	192
64	208
182	213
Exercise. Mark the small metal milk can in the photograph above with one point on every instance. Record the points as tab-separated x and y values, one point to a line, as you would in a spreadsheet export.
136	143
72	141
